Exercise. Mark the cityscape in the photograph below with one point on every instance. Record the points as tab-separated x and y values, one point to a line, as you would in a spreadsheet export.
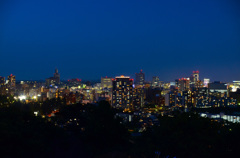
119	79
126	93
138	105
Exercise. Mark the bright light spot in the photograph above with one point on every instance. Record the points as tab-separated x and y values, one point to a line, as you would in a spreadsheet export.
39	95
22	97
35	113
35	97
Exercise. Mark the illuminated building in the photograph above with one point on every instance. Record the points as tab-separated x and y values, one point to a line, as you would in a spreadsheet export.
140	78
155	81
11	81
2	81
55	80
57	76
106	82
138	97
194	79
187	98
122	93
206	81
235	86
183	84
195	76
171	98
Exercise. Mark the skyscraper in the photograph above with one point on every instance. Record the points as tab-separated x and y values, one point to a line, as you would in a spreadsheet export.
182	84
195	76
194	79
11	81
55	80
206	82
106	82
140	78
122	93
57	76
155	81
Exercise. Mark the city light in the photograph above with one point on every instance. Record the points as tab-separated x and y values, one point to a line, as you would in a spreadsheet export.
22	97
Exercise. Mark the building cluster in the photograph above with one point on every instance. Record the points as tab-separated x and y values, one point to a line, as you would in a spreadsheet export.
192	92
7	86
127	94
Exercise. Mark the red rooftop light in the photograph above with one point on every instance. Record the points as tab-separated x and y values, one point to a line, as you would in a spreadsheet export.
196	72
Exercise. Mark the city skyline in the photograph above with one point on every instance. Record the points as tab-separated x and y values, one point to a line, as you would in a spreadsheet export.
120	78
148	78
90	39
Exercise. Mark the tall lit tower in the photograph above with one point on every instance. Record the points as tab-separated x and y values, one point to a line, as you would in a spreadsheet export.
122	93
206	81
195	76
57	76
183	84
155	81
106	82
11	80
140	78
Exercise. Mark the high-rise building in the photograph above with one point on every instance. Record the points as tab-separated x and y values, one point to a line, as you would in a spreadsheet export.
183	84
57	76
2	81
138	97
122	93
155	81
55	80
194	80
140	78
11	81
106	82
195	76
206	81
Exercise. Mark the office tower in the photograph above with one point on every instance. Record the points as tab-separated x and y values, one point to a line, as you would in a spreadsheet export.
155	81
183	84
122	93
138	97
57	76
195	76
194	80
206	81
2	81
55	80
106	82
140	78
11	81
187	99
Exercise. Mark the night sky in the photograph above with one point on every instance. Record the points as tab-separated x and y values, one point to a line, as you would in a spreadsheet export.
88	39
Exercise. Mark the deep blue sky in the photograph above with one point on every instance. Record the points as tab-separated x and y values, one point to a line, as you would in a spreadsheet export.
93	38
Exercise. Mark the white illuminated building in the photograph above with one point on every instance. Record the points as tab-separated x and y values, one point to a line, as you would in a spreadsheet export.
206	81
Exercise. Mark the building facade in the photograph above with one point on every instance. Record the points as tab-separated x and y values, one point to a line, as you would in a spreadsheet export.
122	93
140	78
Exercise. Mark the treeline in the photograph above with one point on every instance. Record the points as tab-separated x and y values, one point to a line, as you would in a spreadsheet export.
188	135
